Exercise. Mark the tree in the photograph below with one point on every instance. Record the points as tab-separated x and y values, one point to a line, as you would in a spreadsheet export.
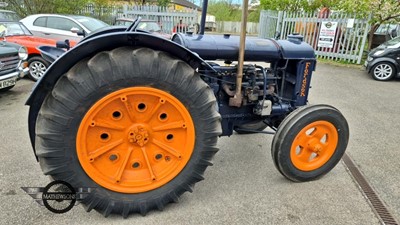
283	5
314	5
223	11
27	7
254	15
298	5
163	3
383	11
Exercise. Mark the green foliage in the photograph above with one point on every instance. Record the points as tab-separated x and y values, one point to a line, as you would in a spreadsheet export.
163	3
254	16
27	7
224	10
318	4
283	5
382	10
298	5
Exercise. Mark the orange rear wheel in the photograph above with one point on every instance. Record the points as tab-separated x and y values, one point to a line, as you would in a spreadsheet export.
137	125
135	139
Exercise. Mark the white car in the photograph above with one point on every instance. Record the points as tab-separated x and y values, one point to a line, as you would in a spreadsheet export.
61	27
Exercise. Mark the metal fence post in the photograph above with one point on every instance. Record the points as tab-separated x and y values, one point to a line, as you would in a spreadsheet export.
364	39
279	21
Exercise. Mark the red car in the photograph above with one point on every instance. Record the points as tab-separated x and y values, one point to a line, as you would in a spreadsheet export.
13	31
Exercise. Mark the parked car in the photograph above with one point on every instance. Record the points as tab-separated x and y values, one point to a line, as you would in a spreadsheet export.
150	26
384	33
8	15
14	31
62	27
383	62
12	66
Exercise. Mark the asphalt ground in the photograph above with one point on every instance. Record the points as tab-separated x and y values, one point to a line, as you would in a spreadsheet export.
243	186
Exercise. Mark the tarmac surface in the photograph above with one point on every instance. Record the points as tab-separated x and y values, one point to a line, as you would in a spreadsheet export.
243	186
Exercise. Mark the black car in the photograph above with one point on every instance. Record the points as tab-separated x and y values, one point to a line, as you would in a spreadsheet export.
12	67
383	62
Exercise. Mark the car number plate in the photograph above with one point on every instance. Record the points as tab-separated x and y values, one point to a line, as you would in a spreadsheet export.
7	83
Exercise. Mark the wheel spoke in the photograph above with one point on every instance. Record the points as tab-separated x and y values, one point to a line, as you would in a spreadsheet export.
153	111
167	148
303	139
383	71
107	124
319	133
170	126
153	177
305	155
121	169
100	151
129	107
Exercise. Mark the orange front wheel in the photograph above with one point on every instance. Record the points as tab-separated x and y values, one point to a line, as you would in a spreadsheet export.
310	142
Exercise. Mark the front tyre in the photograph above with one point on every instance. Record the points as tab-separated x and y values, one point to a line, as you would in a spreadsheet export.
137	124
310	142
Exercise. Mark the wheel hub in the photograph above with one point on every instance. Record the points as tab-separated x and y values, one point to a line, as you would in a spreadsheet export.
138	135
314	145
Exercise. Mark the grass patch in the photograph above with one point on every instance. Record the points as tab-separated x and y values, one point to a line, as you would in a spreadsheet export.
340	63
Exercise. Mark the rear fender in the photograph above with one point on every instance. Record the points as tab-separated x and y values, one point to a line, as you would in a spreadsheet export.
90	47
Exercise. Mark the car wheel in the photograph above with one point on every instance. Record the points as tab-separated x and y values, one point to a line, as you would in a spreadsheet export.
138	125
383	71
309	142
37	67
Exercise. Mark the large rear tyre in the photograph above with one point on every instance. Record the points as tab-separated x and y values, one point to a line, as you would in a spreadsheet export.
310	142
137	124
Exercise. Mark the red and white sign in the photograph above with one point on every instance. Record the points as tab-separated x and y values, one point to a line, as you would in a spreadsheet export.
327	34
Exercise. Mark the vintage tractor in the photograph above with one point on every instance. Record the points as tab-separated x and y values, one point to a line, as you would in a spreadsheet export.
138	117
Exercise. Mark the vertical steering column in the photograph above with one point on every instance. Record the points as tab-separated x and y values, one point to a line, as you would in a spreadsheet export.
237	99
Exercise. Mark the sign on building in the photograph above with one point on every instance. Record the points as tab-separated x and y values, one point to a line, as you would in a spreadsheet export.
327	34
